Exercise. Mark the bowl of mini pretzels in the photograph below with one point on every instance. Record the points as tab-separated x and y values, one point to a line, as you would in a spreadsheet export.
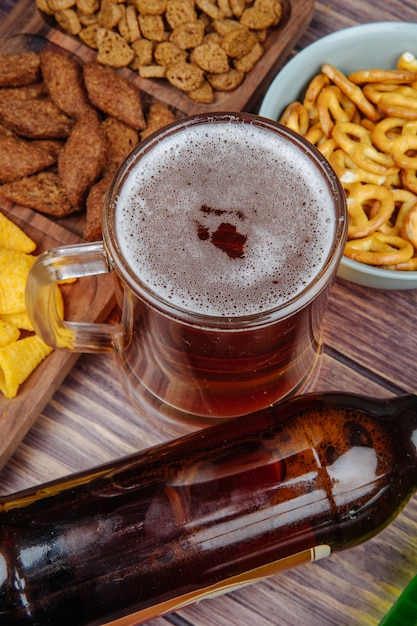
353	94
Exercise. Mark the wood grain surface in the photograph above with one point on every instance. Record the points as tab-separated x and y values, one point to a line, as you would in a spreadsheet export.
370	347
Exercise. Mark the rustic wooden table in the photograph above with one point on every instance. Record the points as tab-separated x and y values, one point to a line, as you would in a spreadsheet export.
370	347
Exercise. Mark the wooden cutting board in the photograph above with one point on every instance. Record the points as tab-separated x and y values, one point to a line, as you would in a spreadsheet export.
88	299
296	16
92	299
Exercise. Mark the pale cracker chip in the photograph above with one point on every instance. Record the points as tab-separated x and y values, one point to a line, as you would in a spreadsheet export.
113	50
258	18
179	12
59	5
188	35
18	360
89	35
110	14
203	94
228	81
69	21
247	62
151	7
167	53
14	238
152	27
143	50
151	71
88	7
211	58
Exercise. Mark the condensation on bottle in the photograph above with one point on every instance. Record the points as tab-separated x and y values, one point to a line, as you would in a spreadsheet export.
206	513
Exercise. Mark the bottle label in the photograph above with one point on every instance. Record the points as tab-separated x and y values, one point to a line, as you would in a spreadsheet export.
223	586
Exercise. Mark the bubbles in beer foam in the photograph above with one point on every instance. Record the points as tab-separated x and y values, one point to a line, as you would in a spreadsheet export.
185	195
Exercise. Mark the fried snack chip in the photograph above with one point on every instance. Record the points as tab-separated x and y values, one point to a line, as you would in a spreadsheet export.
14	269
35	119
158	116
63	79
94	209
20	353
121	139
82	158
114	95
34	91
9	333
19	320
18	360
19	158
14	238
19	69
43	192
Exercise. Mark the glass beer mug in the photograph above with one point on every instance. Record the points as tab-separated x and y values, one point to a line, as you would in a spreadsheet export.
224	233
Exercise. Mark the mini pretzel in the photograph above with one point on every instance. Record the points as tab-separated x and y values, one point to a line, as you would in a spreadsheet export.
361	151
351	90
314	88
295	117
368	133
379	249
407	61
404	201
409	179
333	106
315	135
361	196
407	266
375	91
400	147
348	172
400	103
395	77
328	147
409	228
386	131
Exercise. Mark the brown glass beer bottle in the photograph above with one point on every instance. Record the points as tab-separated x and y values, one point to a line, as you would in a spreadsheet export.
200	515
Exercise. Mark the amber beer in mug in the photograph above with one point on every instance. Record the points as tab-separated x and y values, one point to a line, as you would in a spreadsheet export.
224	233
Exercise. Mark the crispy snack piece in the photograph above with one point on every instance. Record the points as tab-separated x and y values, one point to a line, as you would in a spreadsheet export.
43	192
121	139
18	360
35	119
114	95
228	81
33	91
14	268
82	158
112	49
19	158
94	205
19	69
63	78
14	238
185	76
211	58
8	333
159	116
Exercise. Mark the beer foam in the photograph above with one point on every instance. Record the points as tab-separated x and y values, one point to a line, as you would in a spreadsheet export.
184	198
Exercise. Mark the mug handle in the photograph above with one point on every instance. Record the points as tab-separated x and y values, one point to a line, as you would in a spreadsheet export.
60	264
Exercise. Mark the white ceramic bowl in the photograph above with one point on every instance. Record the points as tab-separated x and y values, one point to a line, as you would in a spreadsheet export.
367	46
